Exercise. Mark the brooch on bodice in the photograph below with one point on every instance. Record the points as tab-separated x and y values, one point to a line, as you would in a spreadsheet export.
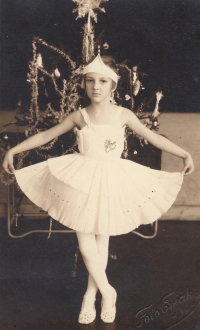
109	146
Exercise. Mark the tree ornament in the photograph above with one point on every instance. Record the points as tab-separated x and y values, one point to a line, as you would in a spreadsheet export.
5	137
56	73
127	97
159	96
136	87
147	121
87	7
135	74
39	60
28	78
105	46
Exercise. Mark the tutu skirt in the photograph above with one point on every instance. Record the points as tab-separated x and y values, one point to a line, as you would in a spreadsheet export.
106	197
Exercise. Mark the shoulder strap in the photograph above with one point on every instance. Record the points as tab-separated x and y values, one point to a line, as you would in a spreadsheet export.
85	116
118	116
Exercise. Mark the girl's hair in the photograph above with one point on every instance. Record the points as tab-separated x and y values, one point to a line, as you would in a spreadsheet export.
110	62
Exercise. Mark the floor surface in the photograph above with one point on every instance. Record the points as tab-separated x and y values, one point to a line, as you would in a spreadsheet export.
157	280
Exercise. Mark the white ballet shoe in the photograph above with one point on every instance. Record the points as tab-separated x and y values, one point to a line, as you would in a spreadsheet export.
108	314
88	312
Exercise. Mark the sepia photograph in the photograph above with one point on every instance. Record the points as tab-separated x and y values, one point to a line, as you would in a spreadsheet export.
100	164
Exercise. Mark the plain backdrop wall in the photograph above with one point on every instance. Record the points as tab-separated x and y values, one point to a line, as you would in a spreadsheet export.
183	129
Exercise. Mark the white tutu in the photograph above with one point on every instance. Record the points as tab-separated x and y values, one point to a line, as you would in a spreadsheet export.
97	191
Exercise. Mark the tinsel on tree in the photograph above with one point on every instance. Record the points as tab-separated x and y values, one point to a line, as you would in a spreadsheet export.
54	80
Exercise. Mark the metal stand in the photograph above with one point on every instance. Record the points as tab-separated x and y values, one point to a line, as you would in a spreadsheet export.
146	236
14	214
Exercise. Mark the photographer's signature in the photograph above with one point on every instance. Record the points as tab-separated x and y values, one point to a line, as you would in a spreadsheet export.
177	306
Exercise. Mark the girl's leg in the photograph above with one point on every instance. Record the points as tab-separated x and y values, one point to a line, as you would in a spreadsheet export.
102	242
93	262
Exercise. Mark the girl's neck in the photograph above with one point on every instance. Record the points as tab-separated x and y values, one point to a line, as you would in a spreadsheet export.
101	114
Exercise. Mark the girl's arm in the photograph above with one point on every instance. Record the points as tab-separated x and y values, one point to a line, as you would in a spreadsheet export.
157	140
40	139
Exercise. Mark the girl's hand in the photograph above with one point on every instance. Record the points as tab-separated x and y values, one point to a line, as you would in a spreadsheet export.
8	163
188	165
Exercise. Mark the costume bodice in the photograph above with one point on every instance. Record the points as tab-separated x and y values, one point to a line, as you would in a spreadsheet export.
103	142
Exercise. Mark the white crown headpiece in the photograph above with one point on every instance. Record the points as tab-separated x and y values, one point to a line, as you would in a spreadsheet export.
98	66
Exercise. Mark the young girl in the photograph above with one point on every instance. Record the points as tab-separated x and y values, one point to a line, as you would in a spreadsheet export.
95	192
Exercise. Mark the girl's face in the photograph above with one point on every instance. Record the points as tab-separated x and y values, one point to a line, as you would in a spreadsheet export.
98	87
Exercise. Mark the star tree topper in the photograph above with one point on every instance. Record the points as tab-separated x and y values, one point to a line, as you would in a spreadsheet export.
85	7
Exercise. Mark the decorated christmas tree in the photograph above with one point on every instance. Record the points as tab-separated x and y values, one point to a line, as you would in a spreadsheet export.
54	80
